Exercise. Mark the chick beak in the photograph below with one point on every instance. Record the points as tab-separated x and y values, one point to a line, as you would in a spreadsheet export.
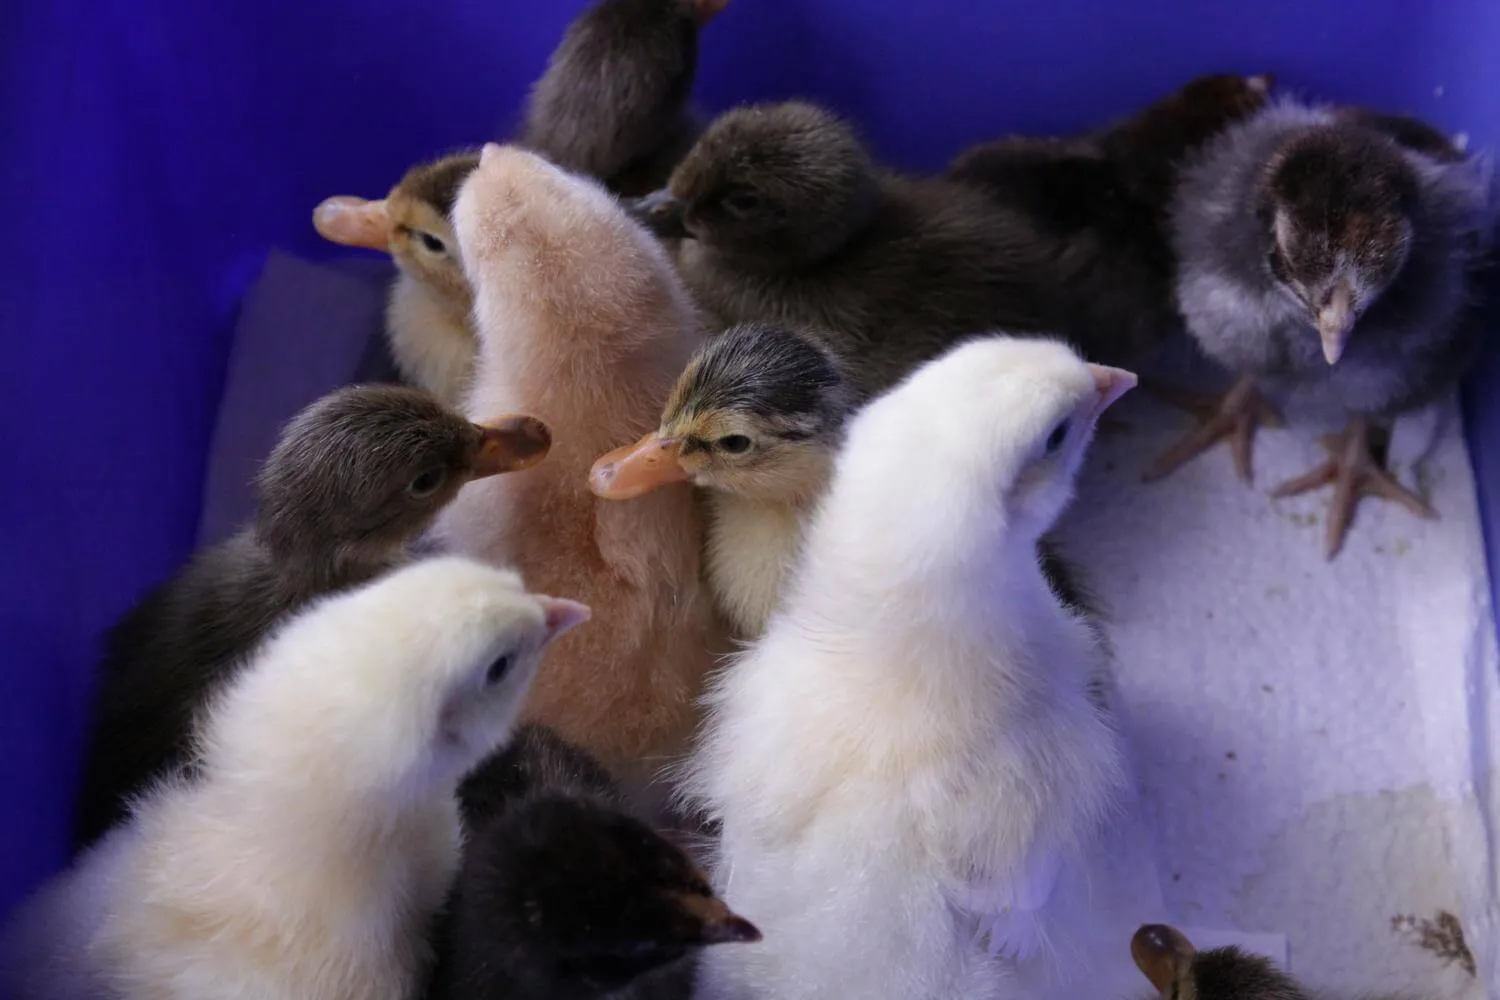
637	469
659	212
717	923
508	444
1160	952
1335	320
354	222
1111	383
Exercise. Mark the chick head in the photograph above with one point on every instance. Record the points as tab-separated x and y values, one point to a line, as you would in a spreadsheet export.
365	470
595	892
1337	207
993	432
1179	972
769	185
411	224
758	413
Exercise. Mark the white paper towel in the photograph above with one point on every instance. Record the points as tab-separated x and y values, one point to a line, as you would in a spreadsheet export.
1316	741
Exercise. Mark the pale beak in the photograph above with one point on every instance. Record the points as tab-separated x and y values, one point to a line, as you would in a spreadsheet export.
637	469
1335	320
659	212
562	615
354	222
1111	383
510	443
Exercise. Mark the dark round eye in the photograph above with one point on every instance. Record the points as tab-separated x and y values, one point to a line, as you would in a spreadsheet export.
427	483
1057	437
432	243
742	202
498	669
734	444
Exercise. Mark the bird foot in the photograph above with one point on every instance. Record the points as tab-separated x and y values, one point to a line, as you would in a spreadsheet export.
1235	416
1356	468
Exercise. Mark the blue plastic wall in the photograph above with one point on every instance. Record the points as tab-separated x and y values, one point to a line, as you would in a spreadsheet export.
152	150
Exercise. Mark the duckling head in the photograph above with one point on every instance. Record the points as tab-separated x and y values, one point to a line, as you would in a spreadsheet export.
758	413
768	185
1168	959
411	224
365	470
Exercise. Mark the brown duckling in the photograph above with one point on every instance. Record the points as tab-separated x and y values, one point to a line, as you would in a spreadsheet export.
564	894
756	420
354	478
1168	959
779	214
612	103
427	319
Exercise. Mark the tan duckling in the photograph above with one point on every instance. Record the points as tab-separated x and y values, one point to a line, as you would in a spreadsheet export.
427	319
756	420
354	478
580	314
612	104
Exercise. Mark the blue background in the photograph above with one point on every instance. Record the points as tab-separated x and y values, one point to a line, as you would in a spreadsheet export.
155	149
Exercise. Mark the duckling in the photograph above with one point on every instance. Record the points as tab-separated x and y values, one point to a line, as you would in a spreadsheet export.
353	479
612	104
582	320
780	215
319	838
909	755
756	420
563	893
427	318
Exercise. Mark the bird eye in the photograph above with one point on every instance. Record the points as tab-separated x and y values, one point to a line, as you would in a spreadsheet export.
734	444
498	669
427	483
742	202
432	243
1057	437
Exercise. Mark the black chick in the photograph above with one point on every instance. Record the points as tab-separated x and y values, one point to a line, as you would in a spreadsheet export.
354	478
1103	198
612	103
784	218
1180	972
1327	258
565	895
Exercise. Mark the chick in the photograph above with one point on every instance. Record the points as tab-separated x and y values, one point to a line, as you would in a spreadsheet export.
353	479
315	846
581	317
911	750
755	420
564	894
1327	263
612	103
778	214
427	318
1104	197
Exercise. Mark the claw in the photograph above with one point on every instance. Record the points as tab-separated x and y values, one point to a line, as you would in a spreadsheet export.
1356	471
1235	415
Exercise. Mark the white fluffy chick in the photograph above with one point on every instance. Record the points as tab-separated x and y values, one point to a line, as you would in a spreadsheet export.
311	853
903	761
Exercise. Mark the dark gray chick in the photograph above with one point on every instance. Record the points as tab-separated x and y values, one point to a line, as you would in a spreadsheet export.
780	215
1327	258
563	894
354	478
612	102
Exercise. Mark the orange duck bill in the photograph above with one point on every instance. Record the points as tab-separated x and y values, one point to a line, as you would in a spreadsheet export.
509	443
637	469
